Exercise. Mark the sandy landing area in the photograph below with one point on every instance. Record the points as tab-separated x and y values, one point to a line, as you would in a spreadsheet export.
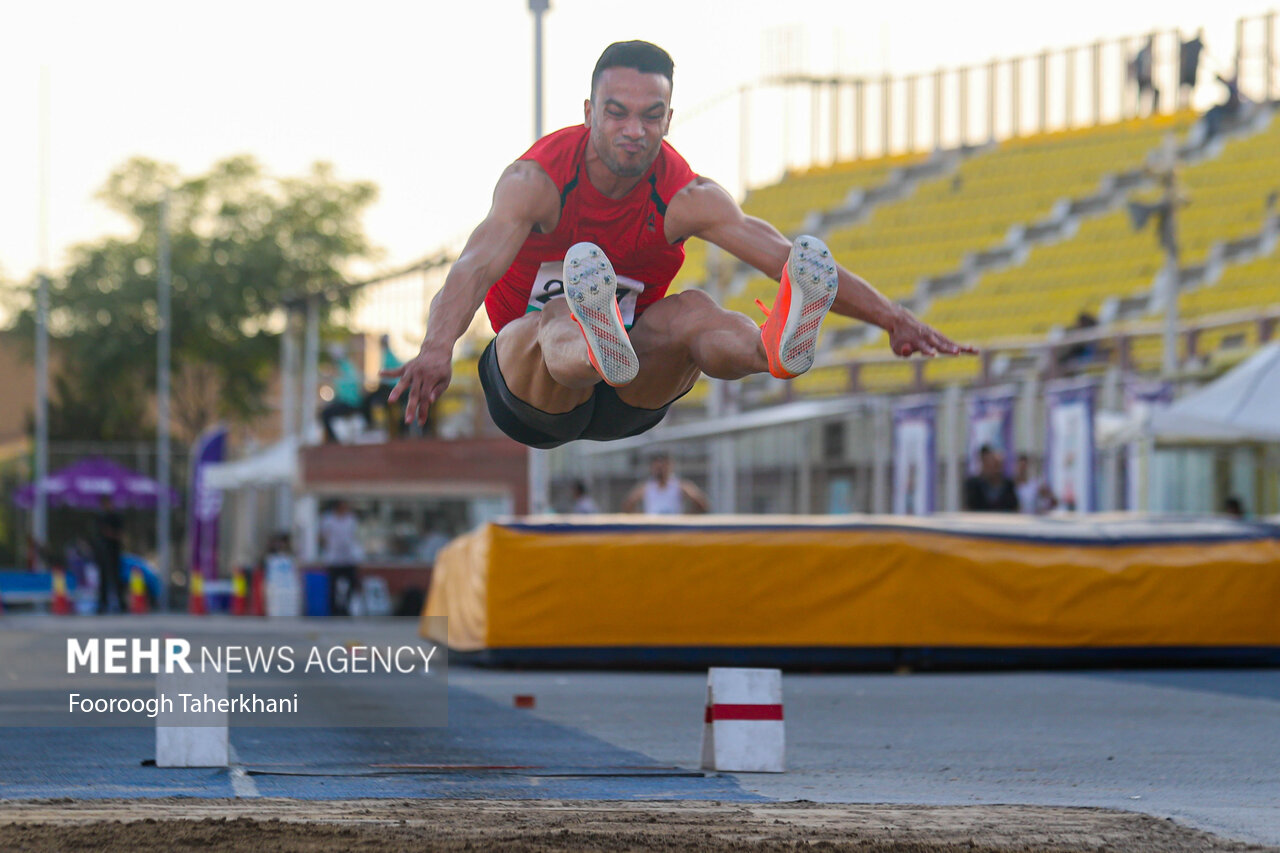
142	826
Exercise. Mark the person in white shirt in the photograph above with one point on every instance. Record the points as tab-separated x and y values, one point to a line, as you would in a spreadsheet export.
582	501
664	493
1034	495
341	553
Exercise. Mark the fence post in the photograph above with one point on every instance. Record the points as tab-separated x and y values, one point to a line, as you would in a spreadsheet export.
912	83
1095	51
1268	59
937	109
835	120
1070	105
886	111
1239	64
991	101
859	119
1043	95
1015	92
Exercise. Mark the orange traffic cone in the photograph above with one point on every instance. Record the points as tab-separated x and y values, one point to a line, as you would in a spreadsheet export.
196	603
61	604
239	592
137	592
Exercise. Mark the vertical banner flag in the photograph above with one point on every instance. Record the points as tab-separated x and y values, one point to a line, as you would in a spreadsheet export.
1069	443
915	424
991	422
1141	398
205	503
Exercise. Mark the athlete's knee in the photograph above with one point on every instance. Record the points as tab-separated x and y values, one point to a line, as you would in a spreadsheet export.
696	302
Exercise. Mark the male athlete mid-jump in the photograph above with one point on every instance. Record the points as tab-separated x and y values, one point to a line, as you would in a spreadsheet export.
598	214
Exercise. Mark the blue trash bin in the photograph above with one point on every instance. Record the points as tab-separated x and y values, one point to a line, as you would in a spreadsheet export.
316	591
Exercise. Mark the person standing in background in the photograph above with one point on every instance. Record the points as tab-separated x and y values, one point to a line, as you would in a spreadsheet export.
378	397
108	545
1143	71
348	393
990	490
583	504
664	493
341	553
1189	67
1034	495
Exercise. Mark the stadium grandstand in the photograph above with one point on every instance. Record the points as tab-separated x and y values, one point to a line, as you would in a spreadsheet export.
1031	245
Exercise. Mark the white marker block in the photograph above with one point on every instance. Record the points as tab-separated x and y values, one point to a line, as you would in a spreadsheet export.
744	730
180	744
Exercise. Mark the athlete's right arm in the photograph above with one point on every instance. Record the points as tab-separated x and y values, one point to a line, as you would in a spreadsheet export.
525	197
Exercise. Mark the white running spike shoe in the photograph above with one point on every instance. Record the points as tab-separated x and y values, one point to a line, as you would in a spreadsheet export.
591	287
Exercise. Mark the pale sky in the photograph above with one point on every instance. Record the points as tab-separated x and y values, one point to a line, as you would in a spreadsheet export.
430	99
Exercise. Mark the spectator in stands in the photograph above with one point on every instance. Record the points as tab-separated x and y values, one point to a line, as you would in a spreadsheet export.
1233	507
378	396
108	546
1034	495
664	493
348	393
582	501
1189	67
990	490
1222	116
1085	351
341	553
1142	71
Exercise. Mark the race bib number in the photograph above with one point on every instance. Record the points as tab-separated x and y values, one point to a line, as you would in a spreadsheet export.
549	284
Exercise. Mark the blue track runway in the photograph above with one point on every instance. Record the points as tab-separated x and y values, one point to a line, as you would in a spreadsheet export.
487	751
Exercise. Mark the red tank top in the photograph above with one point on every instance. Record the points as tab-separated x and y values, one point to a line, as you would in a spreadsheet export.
629	230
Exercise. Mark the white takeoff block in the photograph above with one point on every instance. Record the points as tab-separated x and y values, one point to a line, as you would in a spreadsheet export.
744	729
179	744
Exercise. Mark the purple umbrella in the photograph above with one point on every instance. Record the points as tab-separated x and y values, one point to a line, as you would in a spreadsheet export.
83	485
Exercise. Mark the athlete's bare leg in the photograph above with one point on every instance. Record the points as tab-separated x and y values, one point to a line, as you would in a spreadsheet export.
543	359
686	334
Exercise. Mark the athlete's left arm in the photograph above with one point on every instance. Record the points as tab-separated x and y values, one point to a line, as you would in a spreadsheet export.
705	209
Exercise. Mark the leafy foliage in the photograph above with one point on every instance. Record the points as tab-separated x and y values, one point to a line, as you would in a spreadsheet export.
241	243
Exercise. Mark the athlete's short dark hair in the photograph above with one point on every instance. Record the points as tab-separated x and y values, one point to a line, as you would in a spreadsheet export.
643	56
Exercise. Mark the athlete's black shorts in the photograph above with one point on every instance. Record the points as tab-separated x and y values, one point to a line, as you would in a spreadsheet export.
603	417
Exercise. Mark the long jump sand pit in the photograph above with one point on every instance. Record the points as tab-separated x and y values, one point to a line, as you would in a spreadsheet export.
142	826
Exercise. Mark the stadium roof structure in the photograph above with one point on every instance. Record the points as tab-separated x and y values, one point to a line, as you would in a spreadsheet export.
1243	405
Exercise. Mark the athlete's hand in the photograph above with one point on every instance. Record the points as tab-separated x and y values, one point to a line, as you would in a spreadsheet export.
424	378
909	336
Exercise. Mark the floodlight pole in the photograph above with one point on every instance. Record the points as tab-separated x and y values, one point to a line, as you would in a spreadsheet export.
539	487
163	304
538	8
40	516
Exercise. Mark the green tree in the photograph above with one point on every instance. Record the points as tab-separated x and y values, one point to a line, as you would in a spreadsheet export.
241	243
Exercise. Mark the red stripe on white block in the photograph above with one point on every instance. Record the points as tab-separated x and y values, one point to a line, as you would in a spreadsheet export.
722	711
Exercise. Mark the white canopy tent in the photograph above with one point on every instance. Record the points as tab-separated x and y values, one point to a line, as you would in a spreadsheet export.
271	466
1243	405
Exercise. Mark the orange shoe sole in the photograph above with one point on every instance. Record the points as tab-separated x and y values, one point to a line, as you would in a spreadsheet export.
805	295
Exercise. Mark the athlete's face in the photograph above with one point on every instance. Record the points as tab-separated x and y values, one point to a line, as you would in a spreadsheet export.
628	114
